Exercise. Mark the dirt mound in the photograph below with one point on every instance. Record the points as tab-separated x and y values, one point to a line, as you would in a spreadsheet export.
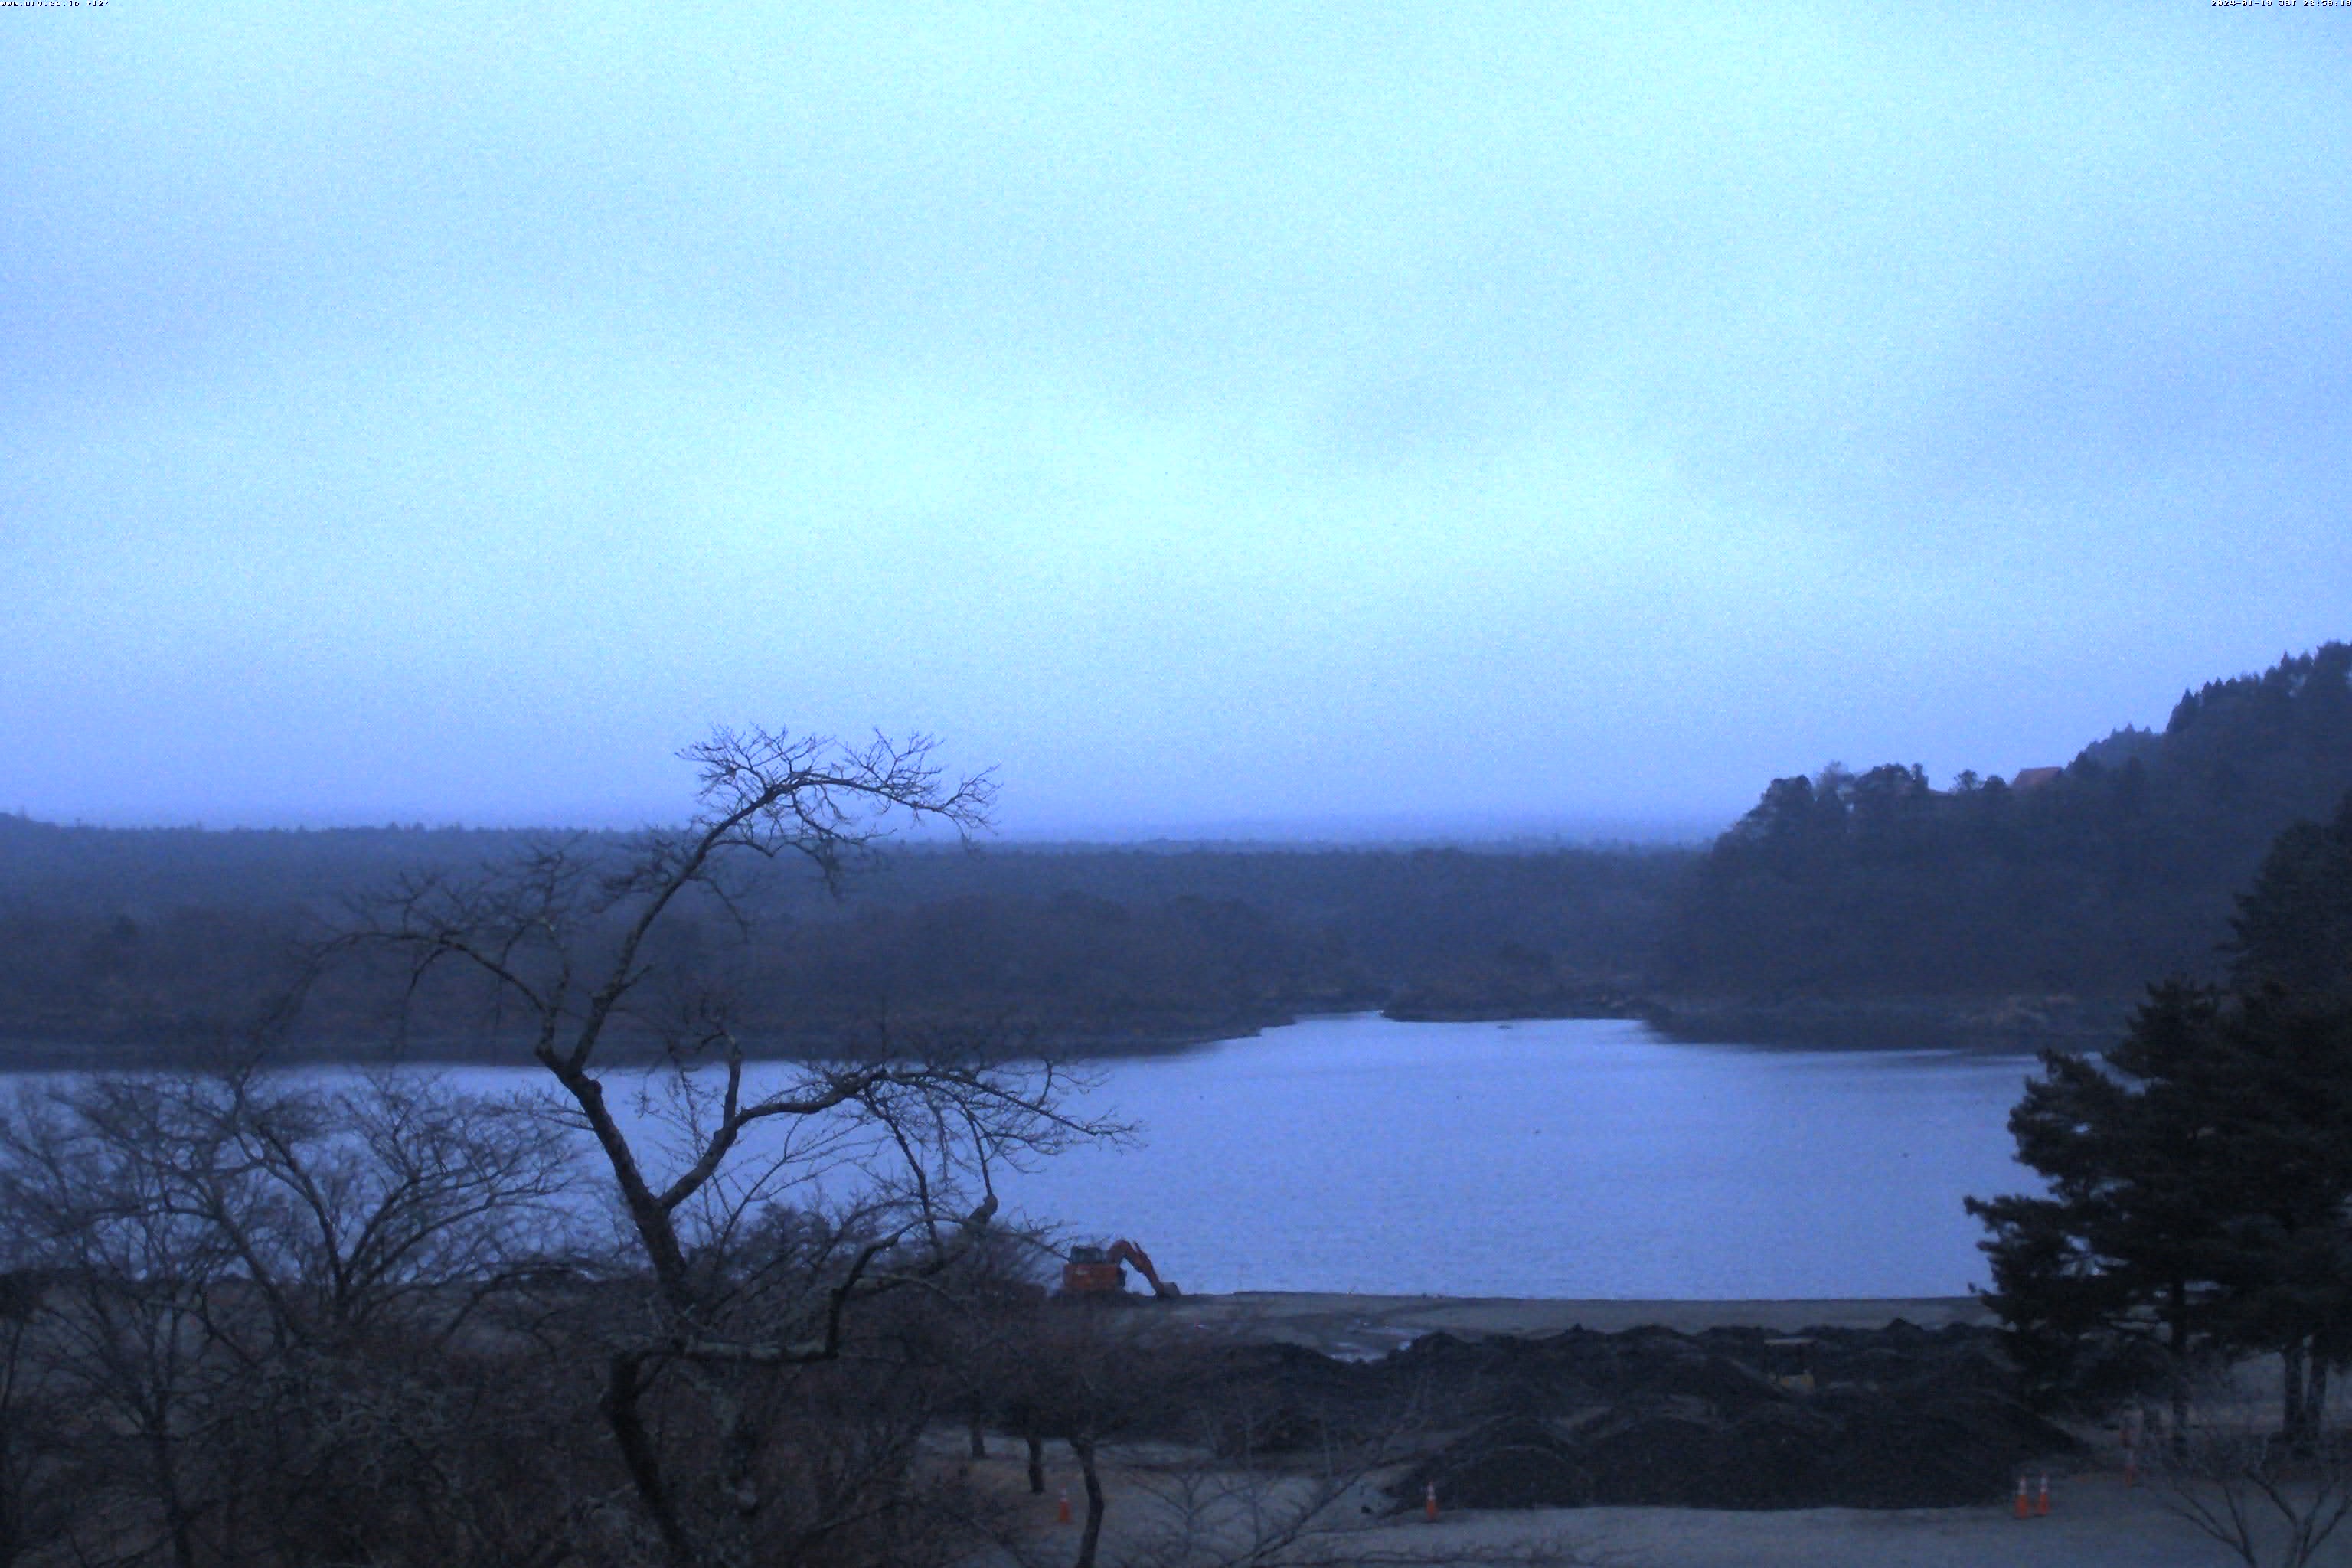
1717	1380
1519	1461
1902	1418
1895	1417
1865	1451
1278	1398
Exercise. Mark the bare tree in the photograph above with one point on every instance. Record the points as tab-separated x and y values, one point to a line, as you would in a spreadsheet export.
2271	1497
129	1277
1211	1465
569	949
248	1288
37	1469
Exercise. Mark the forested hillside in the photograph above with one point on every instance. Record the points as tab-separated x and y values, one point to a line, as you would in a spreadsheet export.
124	937
1846	905
2118	871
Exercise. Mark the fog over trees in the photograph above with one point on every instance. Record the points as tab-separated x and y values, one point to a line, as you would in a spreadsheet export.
1871	903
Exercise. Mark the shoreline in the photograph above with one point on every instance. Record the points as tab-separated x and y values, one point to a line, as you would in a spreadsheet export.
1991	1026
1340	1323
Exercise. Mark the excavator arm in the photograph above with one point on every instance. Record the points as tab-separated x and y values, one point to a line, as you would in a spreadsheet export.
1125	1251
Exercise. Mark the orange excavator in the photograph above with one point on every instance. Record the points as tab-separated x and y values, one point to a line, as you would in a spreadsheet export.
1096	1272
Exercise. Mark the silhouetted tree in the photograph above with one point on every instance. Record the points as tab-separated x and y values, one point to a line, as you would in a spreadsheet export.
703	1375
244	1300
2294	926
2200	1175
2123	867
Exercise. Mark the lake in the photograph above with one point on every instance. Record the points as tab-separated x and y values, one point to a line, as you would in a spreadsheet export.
1581	1158
1577	1157
1564	1157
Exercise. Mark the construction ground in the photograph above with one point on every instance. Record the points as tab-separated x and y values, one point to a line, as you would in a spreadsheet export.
1629	1434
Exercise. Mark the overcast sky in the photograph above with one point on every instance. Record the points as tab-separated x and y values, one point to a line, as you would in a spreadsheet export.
1221	418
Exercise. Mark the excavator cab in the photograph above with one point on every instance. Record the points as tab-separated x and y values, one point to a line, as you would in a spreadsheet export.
1100	1272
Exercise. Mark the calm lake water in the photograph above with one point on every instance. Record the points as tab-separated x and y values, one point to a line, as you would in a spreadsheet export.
1579	1158
1585	1158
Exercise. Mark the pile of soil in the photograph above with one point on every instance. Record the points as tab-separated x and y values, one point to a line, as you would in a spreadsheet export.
1849	1449
1898	1418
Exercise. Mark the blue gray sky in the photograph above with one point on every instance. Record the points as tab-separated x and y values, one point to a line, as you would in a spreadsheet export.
1255	418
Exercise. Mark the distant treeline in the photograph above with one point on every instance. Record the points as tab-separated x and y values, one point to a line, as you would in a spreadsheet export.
2118	870
174	937
1845	890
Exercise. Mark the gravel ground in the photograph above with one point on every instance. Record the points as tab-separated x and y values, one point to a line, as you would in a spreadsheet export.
2094	1522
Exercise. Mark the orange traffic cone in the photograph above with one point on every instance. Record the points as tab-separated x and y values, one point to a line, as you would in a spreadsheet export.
2024	1503
1429	1503
2042	1503
1061	1512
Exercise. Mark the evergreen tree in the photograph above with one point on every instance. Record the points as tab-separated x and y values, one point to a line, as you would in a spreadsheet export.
2294	926
2121	867
2127	1234
2200	1176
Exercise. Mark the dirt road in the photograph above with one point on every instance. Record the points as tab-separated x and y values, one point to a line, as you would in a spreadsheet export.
2094	1522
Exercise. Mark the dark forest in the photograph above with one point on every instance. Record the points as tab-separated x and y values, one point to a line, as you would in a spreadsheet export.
1868	905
